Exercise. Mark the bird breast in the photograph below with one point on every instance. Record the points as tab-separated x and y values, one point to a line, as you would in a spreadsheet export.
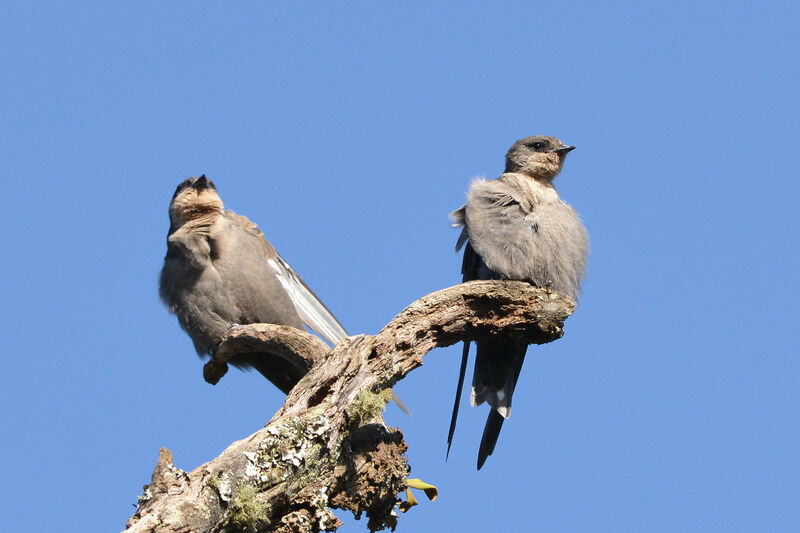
523	230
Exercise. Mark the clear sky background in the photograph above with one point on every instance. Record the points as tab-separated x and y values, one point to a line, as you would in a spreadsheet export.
348	133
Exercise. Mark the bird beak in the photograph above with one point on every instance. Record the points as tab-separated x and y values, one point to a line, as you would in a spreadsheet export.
201	183
564	150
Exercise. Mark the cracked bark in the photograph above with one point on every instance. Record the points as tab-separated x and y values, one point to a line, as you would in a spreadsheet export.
328	447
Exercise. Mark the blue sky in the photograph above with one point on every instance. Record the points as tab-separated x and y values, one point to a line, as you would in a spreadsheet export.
348	133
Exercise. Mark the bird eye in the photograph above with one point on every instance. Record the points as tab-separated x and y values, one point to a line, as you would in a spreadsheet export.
537	145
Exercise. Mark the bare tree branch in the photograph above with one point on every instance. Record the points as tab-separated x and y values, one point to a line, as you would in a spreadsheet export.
298	348
328	447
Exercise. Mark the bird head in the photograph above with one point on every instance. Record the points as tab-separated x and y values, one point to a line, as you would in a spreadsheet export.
540	157
194	198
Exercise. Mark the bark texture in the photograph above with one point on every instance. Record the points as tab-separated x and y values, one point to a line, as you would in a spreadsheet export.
328	447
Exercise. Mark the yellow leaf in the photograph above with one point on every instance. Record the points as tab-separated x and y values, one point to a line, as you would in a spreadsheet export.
410	502
430	490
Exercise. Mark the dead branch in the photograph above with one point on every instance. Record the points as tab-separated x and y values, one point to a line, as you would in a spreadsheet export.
328	447
297	348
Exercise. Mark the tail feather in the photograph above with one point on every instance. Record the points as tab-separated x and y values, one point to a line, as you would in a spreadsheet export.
454	417
497	366
491	431
498	363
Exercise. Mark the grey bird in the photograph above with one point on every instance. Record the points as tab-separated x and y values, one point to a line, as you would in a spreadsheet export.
516	227
220	271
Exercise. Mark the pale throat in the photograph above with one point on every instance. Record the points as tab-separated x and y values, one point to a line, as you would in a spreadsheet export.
196	211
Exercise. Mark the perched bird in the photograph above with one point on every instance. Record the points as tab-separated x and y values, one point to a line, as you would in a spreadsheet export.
516	227
220	270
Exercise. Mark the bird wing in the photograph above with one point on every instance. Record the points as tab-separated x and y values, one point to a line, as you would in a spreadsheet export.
309	307
188	251
189	243
459	218
501	227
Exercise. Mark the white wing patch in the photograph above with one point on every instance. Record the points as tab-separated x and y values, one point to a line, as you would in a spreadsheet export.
312	312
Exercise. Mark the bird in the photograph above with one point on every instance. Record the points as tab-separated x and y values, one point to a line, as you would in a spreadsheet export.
516	227
220	271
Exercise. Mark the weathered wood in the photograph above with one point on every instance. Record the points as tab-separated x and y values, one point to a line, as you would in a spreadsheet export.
328	447
295	347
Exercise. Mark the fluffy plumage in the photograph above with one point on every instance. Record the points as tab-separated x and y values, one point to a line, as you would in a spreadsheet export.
220	270
516	227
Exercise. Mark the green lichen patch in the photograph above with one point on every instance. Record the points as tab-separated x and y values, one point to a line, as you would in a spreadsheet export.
247	512
367	405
